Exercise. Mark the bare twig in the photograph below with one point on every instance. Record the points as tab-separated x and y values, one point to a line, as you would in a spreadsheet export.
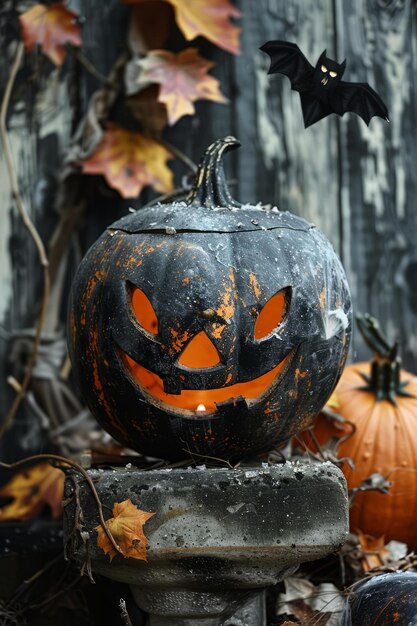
178	154
62	460
71	198
316	443
30	581
210	458
33	233
171	196
123	613
91	68
78	527
56	595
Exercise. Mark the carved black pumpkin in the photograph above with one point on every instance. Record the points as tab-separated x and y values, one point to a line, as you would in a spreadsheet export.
208	326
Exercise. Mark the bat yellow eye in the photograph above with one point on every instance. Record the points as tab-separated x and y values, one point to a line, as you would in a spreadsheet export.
333	74
323	68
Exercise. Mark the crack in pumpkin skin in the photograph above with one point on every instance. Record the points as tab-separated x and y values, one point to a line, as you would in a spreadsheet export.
189	399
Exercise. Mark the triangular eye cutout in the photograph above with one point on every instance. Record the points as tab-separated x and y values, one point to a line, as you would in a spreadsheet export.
200	353
143	310
273	313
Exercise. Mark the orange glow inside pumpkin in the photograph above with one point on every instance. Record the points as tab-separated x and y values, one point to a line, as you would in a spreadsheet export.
144	311
201	353
190	399
271	315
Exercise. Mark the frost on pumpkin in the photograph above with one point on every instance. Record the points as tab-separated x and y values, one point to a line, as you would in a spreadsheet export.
126	526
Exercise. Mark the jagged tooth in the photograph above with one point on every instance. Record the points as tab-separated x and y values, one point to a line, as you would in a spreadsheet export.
232	404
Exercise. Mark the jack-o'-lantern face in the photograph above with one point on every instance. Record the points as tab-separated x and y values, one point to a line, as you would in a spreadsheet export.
201	355
208	326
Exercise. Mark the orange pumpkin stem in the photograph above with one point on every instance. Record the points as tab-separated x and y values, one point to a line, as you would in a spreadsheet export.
384	379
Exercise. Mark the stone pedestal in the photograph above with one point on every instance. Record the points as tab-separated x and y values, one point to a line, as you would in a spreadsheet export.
218	537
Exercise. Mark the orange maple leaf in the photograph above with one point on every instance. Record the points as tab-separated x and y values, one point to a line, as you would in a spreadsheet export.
129	161
31	490
211	19
51	27
183	79
126	526
373	550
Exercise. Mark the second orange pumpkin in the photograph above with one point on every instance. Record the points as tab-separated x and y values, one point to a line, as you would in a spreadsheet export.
380	399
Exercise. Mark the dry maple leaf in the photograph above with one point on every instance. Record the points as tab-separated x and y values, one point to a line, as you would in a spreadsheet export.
373	551
126	526
31	490
209	19
183	79
52	27
129	161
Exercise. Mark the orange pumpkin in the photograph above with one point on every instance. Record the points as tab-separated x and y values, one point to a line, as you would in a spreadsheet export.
380	399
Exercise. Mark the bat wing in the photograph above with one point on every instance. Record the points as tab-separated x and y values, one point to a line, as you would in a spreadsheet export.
313	108
287	58
358	98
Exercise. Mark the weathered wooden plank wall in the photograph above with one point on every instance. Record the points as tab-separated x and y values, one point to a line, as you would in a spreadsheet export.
280	161
44	110
378	173
39	124
356	183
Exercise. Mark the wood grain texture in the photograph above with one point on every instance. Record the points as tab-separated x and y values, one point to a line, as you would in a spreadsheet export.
280	162
378	181
39	128
40	121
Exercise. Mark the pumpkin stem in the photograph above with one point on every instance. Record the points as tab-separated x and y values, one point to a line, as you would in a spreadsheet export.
384	379
210	187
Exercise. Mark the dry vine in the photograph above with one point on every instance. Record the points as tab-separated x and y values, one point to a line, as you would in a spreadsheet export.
33	233
61	460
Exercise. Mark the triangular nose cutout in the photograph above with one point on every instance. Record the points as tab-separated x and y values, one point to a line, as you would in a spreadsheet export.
200	353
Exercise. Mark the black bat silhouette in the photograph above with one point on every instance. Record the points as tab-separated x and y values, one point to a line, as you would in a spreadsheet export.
321	89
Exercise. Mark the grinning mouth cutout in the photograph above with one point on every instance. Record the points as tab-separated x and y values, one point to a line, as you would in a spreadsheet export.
199	402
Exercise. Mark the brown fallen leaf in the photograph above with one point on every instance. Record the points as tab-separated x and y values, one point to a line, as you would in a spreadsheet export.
310	604
209	19
145	108
32	489
129	161
182	77
374	552
52	27
126	526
